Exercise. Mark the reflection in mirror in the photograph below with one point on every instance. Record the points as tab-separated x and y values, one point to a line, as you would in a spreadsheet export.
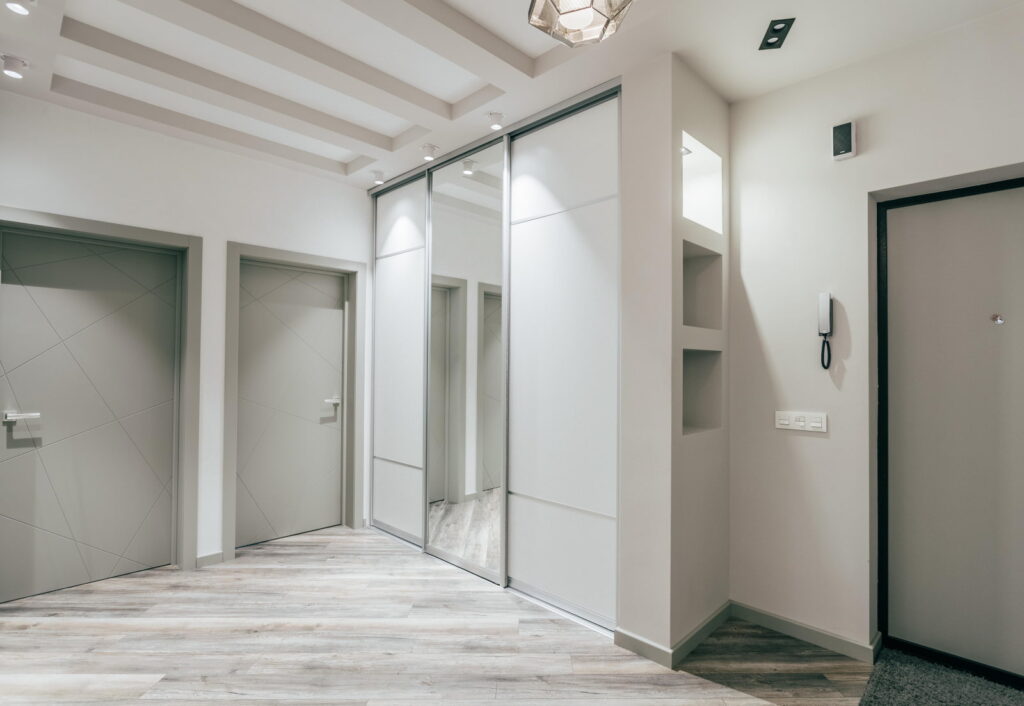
465	395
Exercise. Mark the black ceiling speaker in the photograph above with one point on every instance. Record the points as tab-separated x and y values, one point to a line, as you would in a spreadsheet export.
776	35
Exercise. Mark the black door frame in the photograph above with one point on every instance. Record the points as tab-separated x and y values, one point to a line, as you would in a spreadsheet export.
882	227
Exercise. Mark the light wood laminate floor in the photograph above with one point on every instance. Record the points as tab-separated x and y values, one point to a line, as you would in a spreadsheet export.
335	616
470	530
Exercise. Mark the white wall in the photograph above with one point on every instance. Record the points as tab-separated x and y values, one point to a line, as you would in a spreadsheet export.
802	506
58	160
673	487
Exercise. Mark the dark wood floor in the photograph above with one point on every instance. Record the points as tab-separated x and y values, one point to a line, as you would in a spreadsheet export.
779	669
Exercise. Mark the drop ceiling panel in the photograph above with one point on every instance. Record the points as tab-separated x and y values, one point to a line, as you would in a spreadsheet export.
148	93
150	31
341	27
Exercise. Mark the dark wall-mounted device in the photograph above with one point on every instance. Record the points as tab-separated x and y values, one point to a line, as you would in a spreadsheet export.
777	32
844	141
825	327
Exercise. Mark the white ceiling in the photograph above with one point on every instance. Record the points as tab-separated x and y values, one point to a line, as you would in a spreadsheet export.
345	87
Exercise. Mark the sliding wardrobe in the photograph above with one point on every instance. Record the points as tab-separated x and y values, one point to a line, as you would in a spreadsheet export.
495	439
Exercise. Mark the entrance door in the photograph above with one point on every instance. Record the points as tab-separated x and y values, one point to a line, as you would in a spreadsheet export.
956	401
88	346
291	352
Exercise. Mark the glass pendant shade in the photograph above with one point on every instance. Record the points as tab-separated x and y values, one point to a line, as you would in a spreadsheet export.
578	22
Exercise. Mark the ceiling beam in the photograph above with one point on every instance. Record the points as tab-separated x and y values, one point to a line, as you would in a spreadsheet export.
447	32
114	105
243	30
99	48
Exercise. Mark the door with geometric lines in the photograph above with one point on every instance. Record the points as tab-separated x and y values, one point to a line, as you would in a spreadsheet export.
291	352
88	342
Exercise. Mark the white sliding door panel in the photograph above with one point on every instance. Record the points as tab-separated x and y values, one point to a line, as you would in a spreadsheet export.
401	219
564	332
563	363
398	358
399	350
543	537
398	498
567	164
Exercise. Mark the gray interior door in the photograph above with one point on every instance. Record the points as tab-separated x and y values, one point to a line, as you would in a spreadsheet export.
437	411
491	435
291	352
88	340
956	404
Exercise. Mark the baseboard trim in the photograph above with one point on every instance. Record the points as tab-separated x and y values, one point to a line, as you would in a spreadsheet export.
671	657
821	638
634	643
208	559
700	633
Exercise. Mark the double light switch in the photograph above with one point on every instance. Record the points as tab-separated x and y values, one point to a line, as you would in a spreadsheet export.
802	421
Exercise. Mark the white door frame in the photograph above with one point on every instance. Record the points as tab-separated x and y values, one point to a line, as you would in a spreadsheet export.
191	248
353	466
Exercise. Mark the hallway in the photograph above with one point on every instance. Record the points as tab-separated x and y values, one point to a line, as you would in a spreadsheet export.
333	616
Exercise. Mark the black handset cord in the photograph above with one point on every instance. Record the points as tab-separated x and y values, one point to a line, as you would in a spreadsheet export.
826	352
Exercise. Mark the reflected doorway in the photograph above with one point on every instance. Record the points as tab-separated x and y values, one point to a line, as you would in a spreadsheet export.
466	367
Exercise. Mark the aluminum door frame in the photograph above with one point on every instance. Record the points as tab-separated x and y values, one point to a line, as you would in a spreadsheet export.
587	99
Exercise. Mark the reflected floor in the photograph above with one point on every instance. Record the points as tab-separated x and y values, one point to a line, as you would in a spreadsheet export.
470	529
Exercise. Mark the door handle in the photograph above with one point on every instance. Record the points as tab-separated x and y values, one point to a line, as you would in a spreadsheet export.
18	416
332	400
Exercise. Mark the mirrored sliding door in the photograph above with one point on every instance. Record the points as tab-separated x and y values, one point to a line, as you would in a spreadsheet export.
466	368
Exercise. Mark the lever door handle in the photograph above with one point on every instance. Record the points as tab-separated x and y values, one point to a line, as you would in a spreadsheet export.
18	416
332	400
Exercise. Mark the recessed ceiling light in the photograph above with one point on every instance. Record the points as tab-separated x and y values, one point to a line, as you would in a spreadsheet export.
14	67
496	120
776	34
378	178
19	8
468	167
429	152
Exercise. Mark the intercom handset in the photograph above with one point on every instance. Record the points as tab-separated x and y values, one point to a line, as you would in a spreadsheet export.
825	327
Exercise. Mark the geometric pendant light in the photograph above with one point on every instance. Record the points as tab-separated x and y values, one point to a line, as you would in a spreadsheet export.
578	22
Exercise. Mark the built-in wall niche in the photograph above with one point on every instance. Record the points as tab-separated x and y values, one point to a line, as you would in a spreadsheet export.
702	184
702	287
702	390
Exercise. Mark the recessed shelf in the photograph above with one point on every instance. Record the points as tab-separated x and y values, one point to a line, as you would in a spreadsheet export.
702	390
702	184
702	287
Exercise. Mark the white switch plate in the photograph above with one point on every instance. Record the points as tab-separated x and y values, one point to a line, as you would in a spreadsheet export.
802	421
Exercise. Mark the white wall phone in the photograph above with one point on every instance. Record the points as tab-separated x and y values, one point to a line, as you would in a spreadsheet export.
825	327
